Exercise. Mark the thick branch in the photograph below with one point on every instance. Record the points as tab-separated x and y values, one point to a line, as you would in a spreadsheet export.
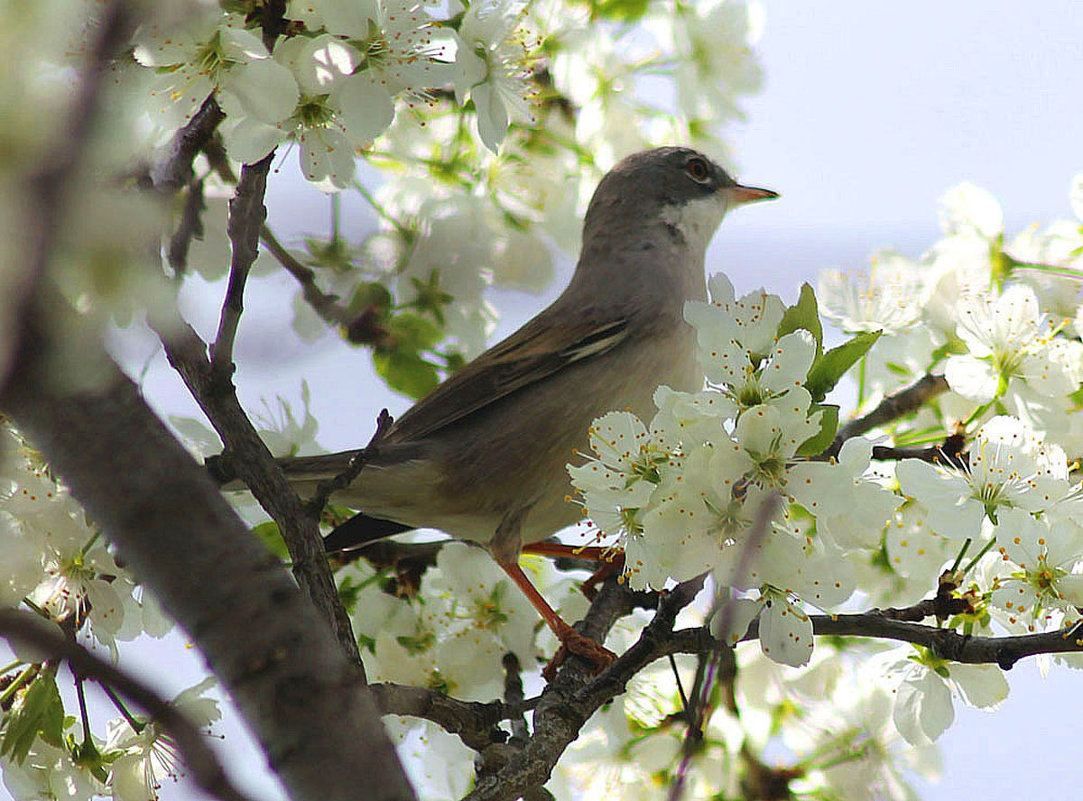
46	190
570	700
169	522
30	630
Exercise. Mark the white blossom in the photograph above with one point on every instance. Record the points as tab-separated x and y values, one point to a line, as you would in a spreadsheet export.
1008	467
490	67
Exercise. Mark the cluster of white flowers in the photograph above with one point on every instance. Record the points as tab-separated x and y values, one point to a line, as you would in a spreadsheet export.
681	494
684	494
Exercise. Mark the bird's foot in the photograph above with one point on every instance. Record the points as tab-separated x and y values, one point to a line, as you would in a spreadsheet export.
612	566
572	642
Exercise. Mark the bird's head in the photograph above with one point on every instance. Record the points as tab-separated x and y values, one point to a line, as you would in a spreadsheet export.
676	186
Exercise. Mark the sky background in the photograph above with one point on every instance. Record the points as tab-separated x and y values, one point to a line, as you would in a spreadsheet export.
869	113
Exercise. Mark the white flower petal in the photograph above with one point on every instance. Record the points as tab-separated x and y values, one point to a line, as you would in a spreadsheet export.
265	89
785	633
365	108
923	709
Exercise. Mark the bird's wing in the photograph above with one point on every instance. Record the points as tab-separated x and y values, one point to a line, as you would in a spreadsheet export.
535	351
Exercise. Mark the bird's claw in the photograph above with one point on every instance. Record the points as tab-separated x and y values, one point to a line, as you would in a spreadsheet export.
572	642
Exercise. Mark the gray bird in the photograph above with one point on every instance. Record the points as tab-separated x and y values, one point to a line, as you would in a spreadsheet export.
482	457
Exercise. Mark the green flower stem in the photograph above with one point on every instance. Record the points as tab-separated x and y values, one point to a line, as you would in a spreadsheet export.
89	544
977	413
29	672
979	555
136	725
378	208
962	553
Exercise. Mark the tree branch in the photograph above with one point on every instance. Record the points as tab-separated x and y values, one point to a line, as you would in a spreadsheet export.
513	695
474	722
172	170
327	306
166	518
575	694
573	697
169	522
254	464
357	462
944	643
948	644
903	402
246	216
189	228
30	630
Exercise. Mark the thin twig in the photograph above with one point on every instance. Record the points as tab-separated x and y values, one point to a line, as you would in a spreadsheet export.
939	454
326	488
513	694
902	403
711	668
189	228
474	722
32	631
255	465
326	305
946	643
246	216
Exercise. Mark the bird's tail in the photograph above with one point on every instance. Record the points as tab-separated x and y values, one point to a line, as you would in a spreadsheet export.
360	530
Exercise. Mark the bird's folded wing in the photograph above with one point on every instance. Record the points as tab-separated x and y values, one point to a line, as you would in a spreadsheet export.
534	352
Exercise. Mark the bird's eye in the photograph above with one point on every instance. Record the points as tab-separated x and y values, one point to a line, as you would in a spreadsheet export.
698	170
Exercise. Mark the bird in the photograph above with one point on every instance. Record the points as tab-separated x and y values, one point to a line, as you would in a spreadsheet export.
483	456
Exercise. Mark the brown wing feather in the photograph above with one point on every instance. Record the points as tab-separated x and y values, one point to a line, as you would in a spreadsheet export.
535	351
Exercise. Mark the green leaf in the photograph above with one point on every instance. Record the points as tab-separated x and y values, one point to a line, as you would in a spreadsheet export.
271	538
39	711
617	10
804	314
371	296
827	370
412	332
406	372
330	254
829	426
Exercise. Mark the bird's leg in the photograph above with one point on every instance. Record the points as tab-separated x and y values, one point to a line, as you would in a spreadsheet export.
570	639
611	561
593	553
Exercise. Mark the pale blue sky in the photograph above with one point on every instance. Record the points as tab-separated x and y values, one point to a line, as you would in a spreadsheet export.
870	111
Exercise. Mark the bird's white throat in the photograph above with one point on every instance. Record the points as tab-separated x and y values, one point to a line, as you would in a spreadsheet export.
698	219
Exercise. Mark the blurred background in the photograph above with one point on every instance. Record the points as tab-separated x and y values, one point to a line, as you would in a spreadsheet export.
869	113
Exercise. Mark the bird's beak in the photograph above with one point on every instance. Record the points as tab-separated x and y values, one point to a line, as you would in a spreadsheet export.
750	194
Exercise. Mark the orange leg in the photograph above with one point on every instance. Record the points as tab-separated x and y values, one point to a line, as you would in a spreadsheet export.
592	553
570	639
611	561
